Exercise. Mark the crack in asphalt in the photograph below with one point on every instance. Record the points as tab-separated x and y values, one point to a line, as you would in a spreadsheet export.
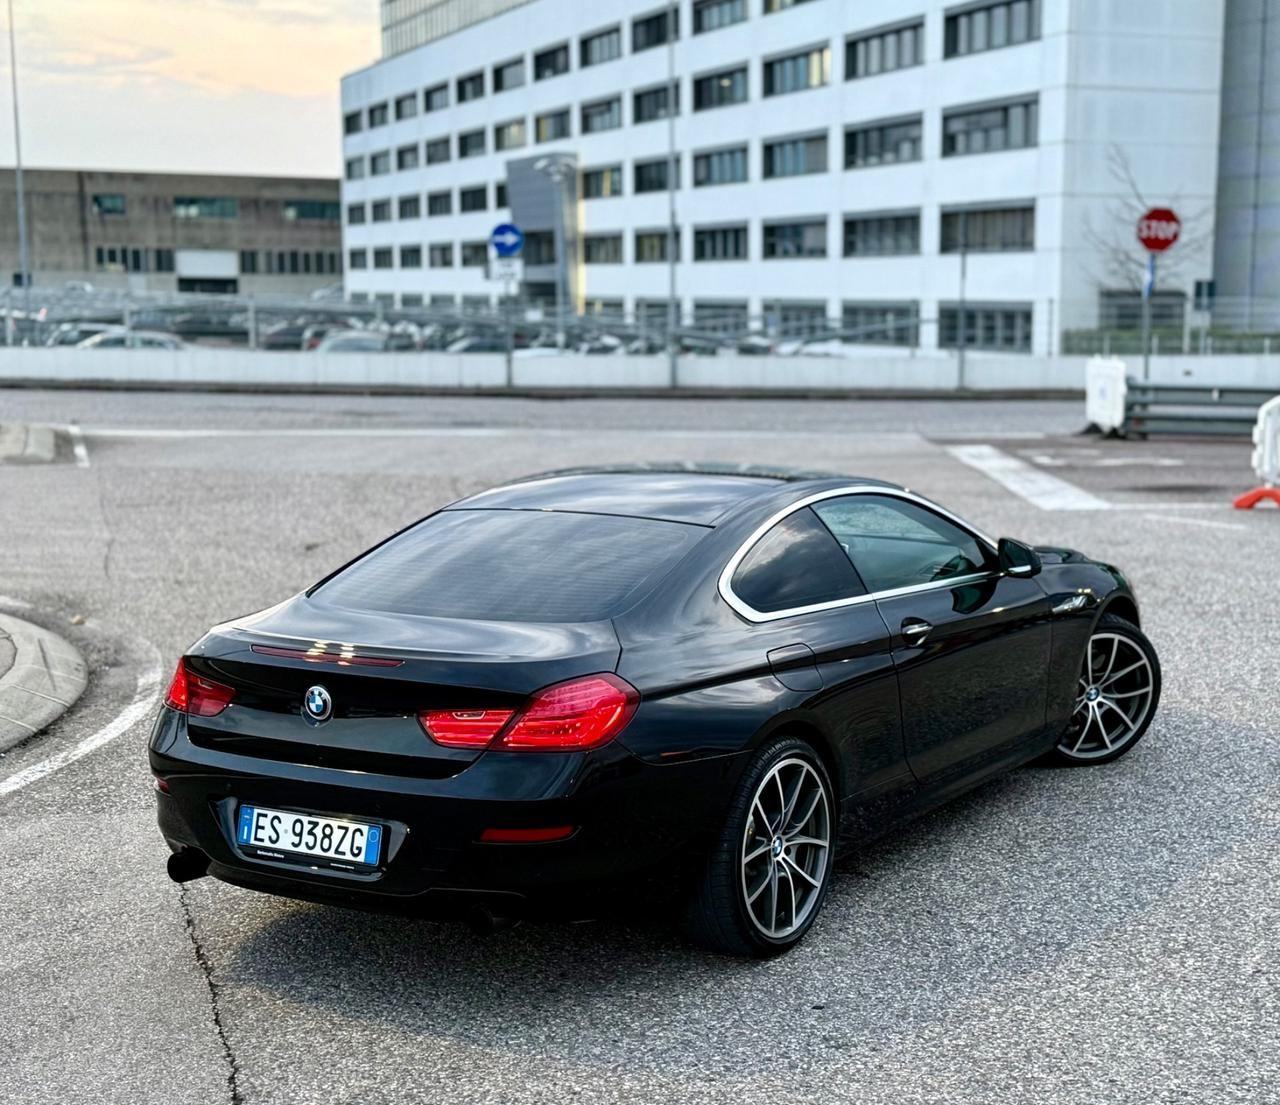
215	998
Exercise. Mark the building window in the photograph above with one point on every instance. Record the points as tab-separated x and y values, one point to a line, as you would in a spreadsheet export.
651	245
711	15
552	126
380	163
377	116
795	72
714	316
1122	310
1005	327
205	207
355	214
475	255
652	30
500	194
383	258
799	239
353	122
602	249
652	103
1011	126
882	235
471	87
795	156
407	106
797	319
771	6
411	299
471	143
509	136
407	157
551	62
720	167
602	183
884	51
435	98
356	259
885	143
651	176
473	199
409	207
508	76
720	243
881	323
411	257
248	261
109	204
437	150
354	168
381	211
539	248
440	255
315	211
991	26
991	230
439	203
720	89
601	47
605	115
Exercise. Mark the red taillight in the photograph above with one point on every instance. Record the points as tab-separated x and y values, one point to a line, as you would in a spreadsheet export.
464	728
194	694
582	713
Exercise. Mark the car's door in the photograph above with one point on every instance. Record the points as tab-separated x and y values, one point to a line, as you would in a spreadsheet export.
971	644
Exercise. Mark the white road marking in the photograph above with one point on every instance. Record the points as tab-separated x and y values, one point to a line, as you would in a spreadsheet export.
165	433
16	604
78	446
1194	521
143	701
1038	488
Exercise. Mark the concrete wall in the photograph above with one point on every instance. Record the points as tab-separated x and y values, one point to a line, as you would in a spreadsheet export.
245	368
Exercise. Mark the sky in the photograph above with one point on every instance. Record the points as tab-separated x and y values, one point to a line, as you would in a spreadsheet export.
241	86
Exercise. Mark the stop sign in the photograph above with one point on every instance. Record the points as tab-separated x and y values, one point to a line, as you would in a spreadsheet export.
1158	229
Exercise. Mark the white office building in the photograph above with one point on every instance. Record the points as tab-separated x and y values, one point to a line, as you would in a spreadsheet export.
892	167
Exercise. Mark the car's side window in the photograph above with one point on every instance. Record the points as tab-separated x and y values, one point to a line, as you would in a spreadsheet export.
895	543
797	563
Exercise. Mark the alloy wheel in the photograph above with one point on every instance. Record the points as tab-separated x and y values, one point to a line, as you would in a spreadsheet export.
1113	697
786	848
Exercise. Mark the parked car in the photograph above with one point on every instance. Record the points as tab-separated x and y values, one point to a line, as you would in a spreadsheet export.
283	336
73	333
688	686
120	338
364	341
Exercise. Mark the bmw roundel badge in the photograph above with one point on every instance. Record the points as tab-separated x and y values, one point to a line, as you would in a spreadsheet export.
316	704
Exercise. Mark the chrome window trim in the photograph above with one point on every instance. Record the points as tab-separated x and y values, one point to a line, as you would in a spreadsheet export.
753	615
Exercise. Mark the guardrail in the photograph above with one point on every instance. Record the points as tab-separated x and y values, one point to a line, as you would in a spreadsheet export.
1191	408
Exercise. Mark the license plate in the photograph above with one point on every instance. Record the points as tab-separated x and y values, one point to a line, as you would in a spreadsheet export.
266	833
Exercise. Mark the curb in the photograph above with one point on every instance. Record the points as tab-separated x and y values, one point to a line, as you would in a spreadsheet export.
45	677
21	444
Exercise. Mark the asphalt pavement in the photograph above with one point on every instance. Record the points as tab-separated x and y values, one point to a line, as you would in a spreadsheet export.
1102	935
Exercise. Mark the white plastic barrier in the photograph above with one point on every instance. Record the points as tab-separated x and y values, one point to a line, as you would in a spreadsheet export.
1266	443
1105	389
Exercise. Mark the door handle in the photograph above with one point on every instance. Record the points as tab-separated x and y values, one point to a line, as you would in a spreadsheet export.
914	631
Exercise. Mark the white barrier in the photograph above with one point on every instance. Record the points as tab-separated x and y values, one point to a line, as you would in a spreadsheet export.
1266	443
1105	388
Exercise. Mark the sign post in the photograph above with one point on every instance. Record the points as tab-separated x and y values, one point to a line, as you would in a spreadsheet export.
1158	229
505	242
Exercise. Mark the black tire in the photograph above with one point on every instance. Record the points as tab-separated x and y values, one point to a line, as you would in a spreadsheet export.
718	916
1074	747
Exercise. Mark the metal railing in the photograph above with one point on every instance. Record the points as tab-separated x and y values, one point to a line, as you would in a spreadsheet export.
1191	409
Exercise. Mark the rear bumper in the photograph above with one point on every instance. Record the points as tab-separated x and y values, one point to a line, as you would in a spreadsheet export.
632	819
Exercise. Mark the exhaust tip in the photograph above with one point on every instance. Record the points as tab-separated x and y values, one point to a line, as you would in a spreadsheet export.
187	865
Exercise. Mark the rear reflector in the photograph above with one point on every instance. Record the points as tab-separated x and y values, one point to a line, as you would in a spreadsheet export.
196	695
342	657
464	728
526	836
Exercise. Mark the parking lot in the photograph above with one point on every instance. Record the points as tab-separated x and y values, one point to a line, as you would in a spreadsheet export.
1105	935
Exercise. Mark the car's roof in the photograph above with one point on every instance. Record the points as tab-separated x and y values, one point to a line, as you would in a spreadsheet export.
698	494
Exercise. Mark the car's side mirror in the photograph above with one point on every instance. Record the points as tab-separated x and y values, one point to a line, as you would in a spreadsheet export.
1017	559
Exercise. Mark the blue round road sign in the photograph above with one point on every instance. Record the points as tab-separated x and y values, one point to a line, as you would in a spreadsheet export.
507	239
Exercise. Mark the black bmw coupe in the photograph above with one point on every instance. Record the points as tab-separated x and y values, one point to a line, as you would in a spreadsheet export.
683	678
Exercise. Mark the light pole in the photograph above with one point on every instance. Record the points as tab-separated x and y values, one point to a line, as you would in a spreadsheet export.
964	257
672	343
24	253
557	167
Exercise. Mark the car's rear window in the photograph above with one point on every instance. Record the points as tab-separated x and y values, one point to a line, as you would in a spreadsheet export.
514	565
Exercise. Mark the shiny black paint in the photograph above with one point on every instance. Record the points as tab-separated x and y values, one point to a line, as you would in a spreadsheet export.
900	726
